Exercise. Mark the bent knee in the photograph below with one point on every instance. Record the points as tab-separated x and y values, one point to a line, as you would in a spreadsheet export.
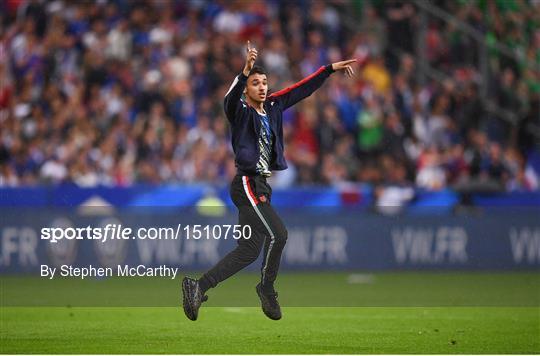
281	236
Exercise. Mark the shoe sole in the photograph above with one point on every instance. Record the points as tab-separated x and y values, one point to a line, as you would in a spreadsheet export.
188	309
259	293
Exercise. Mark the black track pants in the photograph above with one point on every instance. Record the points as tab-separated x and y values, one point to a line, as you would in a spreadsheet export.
251	195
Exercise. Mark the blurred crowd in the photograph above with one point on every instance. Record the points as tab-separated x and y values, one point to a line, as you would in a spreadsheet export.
130	92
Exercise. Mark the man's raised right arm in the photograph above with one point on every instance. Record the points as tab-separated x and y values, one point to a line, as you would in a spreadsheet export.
232	103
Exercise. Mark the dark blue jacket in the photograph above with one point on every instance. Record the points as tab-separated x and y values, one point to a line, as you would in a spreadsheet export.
246	125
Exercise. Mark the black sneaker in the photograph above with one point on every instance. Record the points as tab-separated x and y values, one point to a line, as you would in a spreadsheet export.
269	303
193	297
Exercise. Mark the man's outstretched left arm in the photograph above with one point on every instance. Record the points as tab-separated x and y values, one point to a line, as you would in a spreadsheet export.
291	95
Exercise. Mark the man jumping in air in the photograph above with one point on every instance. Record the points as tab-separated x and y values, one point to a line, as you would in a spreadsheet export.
257	140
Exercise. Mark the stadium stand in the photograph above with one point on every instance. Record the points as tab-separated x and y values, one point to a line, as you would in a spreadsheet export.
121	93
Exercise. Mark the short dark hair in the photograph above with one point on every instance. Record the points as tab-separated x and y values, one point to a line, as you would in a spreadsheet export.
257	70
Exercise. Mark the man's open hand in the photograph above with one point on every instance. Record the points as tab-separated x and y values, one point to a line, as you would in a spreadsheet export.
250	58
344	65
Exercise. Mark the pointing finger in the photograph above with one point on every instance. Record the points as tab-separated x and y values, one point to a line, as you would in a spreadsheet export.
248	46
349	61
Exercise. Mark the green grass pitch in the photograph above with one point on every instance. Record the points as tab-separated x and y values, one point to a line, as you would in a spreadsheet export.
386	313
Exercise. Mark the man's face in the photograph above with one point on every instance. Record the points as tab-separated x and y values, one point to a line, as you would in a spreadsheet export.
257	87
